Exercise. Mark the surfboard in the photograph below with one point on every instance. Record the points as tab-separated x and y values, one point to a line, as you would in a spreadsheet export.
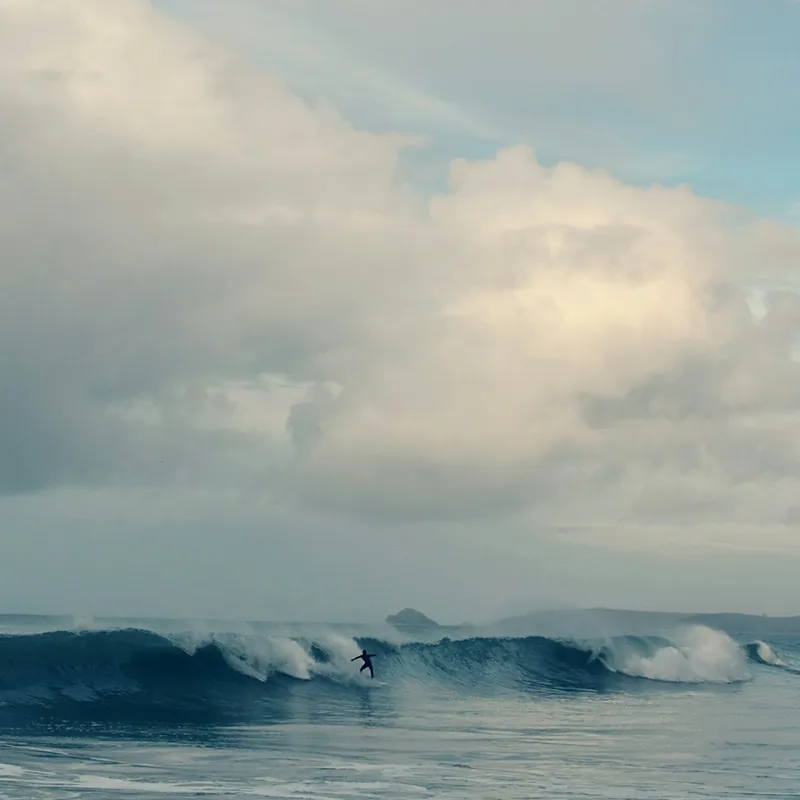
369	682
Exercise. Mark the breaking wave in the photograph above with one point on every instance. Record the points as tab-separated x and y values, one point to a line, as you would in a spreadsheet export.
762	653
118	673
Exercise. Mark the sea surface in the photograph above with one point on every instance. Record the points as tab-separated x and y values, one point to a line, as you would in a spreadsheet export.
154	708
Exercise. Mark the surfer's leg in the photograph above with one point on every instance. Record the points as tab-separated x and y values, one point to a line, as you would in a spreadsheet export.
364	666
371	673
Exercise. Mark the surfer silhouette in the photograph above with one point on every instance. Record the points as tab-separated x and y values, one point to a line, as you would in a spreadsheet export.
367	657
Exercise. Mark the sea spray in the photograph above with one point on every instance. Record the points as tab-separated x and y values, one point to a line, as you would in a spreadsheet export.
693	655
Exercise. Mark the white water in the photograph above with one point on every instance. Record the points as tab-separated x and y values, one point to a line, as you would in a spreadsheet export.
696	655
260	656
768	655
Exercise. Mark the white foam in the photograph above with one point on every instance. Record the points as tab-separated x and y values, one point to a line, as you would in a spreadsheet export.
327	789
768	655
387	770
696	655
340	650
161	787
260	656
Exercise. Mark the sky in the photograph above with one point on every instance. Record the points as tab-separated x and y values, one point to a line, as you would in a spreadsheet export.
316	309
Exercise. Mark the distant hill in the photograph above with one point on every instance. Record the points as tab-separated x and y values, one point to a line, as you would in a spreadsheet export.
613	621
590	622
411	618
747	623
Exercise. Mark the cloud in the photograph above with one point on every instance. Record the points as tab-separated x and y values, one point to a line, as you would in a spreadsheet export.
210	282
594	333
169	222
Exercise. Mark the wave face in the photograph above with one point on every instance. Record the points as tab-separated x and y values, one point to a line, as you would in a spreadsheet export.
762	653
132	673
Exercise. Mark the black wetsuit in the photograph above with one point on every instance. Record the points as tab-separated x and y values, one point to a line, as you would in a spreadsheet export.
367	657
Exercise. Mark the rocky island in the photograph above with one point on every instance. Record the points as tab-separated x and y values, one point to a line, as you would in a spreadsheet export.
411	618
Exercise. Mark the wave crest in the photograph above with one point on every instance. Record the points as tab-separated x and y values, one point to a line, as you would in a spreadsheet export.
762	653
178	672
696	655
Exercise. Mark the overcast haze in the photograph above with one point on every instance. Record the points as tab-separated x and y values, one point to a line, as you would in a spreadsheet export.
315	310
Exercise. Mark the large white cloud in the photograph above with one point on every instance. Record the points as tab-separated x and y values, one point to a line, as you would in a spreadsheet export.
208	281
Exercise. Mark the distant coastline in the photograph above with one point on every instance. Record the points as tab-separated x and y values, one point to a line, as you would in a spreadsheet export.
726	621
581	622
626	619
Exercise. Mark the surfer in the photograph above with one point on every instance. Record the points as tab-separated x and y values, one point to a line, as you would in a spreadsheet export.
367	662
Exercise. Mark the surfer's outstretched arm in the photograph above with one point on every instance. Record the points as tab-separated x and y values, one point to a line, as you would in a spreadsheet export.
356	658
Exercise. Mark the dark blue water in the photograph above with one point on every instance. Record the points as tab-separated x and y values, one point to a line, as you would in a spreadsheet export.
167	708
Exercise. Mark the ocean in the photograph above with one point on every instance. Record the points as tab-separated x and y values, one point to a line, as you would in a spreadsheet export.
600	709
